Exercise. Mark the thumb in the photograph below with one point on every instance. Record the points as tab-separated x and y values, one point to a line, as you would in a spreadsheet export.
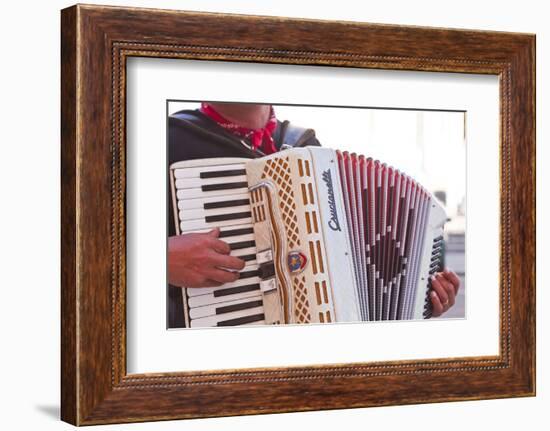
214	233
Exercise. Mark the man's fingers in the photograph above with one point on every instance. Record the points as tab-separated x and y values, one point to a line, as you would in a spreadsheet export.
220	246
221	275
453	278
449	288
225	261
441	293
210	283
214	233
437	307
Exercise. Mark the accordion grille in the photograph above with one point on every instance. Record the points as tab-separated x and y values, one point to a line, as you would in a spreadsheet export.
278	171
301	303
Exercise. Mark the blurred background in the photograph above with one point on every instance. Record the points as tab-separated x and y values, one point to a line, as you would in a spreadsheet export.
430	146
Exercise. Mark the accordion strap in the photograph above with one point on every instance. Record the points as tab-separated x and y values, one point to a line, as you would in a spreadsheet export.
290	135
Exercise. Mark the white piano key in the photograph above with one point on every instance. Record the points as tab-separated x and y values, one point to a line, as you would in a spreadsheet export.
217	308
229	239
216	320
195	172
200	213
217	161
191	183
239	238
196	291
195	193
199	203
223	229
194	225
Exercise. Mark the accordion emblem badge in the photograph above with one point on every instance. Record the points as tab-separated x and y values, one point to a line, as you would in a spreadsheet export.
296	261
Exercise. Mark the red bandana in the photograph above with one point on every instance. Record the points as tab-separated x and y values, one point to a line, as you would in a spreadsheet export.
259	138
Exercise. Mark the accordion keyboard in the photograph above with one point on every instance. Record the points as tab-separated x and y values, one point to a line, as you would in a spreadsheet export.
217	196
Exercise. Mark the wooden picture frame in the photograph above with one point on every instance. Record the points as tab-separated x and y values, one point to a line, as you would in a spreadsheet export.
95	43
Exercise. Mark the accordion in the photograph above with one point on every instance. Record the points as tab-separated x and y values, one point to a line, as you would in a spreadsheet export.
327	236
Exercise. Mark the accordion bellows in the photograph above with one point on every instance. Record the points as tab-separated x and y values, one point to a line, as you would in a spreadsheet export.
327	236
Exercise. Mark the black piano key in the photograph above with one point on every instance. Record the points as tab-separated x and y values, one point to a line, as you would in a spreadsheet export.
226	173
242	244
238	307
224	186
222	217
237	289
242	320
247	257
236	232
226	204
248	274
267	270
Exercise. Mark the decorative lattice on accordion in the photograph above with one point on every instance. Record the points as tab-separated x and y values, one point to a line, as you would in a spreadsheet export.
301	303
257	205
278	170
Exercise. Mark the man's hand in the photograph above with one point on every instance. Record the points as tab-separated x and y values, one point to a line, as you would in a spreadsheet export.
445	286
201	260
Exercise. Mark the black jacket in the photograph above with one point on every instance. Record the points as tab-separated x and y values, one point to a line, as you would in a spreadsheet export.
193	135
